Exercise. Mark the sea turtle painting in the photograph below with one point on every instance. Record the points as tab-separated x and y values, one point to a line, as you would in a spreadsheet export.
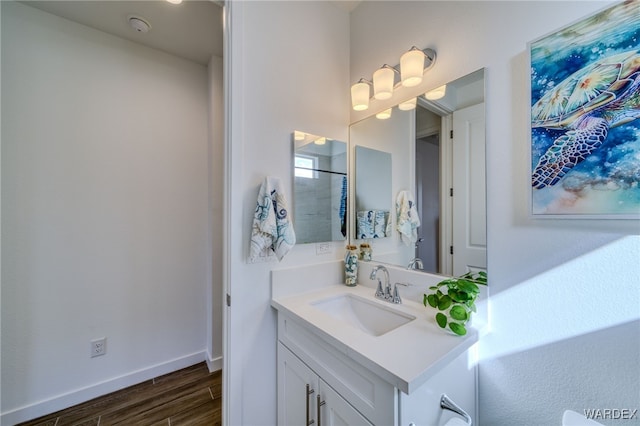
585	106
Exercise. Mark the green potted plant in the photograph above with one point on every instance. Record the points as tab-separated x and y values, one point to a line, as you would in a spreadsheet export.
457	303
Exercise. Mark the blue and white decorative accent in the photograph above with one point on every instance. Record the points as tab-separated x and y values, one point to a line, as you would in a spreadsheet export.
351	266
408	220
272	231
372	224
381	226
585	117
343	207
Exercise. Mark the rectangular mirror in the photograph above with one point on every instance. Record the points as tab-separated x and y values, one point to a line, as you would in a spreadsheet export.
319	188
373	193
437	153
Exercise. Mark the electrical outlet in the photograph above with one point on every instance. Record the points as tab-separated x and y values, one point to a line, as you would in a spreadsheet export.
323	248
98	347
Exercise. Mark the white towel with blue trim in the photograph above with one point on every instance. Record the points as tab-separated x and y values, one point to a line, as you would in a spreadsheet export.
407	222
272	230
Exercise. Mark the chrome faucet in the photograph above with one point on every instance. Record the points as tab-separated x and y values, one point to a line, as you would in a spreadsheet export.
384	294
396	294
415	263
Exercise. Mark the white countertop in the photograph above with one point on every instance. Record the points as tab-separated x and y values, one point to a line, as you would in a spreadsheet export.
406	357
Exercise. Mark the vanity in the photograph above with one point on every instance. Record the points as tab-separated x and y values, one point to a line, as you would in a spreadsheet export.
346	357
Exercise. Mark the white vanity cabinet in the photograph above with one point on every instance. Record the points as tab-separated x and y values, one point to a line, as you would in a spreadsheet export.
369	397
458	380
305	399
321	384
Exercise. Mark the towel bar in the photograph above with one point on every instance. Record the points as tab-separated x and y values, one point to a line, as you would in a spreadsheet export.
447	404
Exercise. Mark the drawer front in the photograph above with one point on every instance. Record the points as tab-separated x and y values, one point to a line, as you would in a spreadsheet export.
365	391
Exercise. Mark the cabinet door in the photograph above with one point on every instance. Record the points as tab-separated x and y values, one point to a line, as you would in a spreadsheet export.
457	380
293	378
336	411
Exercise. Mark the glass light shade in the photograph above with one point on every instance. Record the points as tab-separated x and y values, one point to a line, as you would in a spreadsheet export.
383	115
437	93
320	141
298	135
383	83
360	96
175	1
412	67
408	105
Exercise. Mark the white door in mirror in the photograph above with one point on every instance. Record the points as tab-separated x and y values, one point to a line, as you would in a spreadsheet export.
469	205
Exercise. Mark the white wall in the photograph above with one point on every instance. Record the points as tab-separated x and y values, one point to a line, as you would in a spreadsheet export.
104	212
565	295
0	221
216	190
289	70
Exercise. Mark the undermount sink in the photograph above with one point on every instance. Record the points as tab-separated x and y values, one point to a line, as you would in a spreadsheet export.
363	314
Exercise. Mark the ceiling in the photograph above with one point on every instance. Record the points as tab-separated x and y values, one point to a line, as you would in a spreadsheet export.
191	30
347	5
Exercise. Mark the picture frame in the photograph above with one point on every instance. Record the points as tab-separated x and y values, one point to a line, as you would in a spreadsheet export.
585	117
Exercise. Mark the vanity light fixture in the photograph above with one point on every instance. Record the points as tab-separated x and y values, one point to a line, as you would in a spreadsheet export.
413	64
360	95
383	80
320	141
437	93
383	115
298	135
408	105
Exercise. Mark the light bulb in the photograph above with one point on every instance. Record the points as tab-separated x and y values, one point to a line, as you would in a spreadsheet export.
383	83
408	105
437	93
383	115
412	67
360	96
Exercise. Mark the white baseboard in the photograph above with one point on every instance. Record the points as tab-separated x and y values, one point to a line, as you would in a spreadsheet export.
72	398
214	364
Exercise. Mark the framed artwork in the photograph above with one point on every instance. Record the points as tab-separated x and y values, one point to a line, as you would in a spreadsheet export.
585	110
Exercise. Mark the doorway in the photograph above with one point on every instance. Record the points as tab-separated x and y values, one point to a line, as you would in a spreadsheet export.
431	178
428	200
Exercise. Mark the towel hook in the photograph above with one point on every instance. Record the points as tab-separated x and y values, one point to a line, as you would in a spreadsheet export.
447	404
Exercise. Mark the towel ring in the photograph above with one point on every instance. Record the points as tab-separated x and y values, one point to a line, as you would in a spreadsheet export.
447	404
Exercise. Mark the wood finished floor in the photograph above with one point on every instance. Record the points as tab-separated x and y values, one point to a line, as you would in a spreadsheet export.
191	396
